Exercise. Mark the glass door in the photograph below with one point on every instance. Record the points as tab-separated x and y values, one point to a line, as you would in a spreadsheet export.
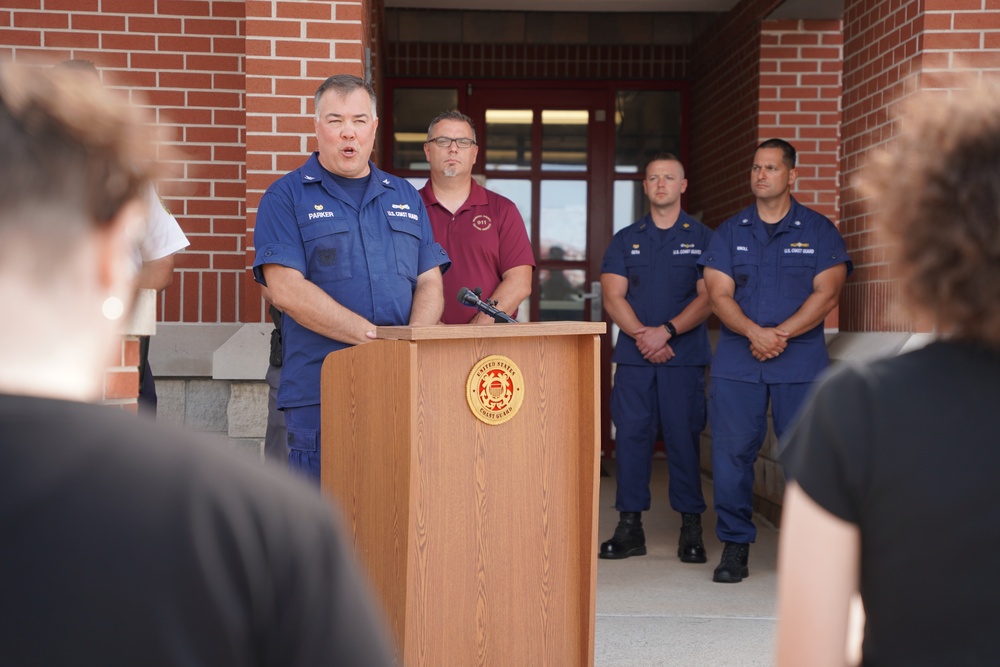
539	148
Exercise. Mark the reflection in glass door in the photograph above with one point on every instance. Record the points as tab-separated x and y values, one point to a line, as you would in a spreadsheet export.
538	153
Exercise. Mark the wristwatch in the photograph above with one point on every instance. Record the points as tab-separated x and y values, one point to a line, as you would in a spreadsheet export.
671	329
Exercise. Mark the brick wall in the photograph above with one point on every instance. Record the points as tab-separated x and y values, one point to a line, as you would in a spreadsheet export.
891	50
961	38
121	380
184	59
882	47
291	48
725	67
800	88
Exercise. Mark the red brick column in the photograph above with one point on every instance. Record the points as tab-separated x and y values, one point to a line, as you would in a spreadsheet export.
121	380
881	66
800	88
291	47
892	50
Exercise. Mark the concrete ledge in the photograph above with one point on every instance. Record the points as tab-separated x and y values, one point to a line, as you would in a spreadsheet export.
244	356
854	346
186	350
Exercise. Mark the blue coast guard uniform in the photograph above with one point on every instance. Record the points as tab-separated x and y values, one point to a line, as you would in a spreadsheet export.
774	276
365	257
662	272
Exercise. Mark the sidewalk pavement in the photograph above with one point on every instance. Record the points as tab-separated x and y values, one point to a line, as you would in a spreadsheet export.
655	611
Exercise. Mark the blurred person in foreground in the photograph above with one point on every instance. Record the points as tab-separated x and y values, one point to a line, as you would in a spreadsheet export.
153	256
894	463
122	543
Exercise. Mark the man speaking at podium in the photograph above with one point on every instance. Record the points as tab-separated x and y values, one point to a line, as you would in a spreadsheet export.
482	231
342	247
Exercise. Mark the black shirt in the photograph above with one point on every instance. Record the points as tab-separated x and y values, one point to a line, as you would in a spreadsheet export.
126	544
908	449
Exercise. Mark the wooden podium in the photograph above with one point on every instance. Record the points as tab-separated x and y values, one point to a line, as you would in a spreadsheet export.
480	538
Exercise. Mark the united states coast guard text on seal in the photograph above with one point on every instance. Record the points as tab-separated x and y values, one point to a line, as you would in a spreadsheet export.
495	389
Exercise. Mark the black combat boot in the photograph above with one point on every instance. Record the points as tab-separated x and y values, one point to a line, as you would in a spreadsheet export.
629	539
690	548
733	566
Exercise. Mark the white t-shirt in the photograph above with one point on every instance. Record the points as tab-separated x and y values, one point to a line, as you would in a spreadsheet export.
163	235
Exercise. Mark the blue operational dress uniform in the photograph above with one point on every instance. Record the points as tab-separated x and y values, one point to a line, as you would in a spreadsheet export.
662	274
366	257
774	277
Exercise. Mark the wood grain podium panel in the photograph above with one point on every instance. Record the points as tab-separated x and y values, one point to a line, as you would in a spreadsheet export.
480	539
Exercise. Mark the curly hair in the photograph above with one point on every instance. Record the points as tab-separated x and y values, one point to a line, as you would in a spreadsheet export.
937	202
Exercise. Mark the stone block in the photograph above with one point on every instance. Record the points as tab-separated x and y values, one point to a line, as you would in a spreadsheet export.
247	411
206	406
244	356
185	350
247	447
170	401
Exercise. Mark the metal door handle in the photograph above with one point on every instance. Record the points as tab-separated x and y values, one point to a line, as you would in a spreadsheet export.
596	301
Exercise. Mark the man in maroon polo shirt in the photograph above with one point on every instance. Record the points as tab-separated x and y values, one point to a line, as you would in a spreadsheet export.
482	231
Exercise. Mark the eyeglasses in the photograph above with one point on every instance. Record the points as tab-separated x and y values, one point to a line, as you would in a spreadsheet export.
446	142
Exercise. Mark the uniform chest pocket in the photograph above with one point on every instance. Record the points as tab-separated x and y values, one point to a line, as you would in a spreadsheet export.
327	242
745	275
406	245
684	278
797	273
637	272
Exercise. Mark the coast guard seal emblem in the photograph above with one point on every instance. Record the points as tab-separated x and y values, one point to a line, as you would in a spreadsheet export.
495	389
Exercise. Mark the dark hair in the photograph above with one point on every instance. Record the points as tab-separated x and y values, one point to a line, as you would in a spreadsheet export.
345	84
455	115
938	204
787	150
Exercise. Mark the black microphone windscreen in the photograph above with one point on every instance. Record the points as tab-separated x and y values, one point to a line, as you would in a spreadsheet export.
463	295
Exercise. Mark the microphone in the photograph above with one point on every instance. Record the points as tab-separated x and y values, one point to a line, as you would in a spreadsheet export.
467	297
